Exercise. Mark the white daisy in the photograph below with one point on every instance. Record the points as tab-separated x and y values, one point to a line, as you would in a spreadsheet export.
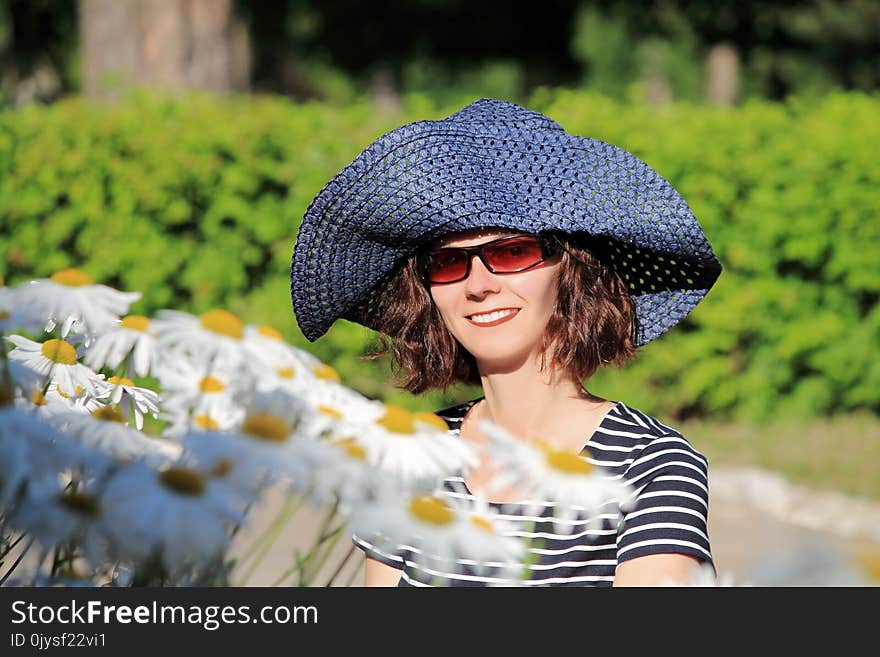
133	336
106	429
442	538
266	346
62	516
336	408
213	336
216	418
192	389
174	511
25	381
56	359
339	472
132	399
18	316
416	447
57	400
70	298
262	450
34	452
574	486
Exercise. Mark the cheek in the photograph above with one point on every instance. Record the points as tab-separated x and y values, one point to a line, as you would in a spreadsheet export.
444	300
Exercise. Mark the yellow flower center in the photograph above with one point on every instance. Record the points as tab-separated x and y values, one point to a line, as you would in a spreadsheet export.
223	322
107	414
182	480
266	426
285	372
38	398
351	448
564	461
431	418
397	419
483	523
332	412
269	332
325	372
76	393
81	503
59	351
430	509
210	384
222	468
71	278
206	422
136	323
120	381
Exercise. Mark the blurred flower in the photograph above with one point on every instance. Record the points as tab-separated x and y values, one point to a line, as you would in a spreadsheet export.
569	481
174	512
132	336
214	336
194	389
337	410
132	399
16	315
412	446
61	516
703	576
338	472
57	401
34	452
25	381
56	359
105	428
70	298
260	451
442	539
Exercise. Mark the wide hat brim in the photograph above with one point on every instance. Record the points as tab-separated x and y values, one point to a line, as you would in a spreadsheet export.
494	163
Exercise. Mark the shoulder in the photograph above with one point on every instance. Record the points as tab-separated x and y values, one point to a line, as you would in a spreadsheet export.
453	415
634	443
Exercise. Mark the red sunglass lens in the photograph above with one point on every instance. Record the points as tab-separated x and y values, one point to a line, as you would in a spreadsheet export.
514	254
446	266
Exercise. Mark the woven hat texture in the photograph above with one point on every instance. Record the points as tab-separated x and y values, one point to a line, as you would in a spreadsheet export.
494	163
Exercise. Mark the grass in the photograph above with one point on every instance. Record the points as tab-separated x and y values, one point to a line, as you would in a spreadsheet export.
840	454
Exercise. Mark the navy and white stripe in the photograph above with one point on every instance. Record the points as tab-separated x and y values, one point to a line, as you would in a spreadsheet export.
670	514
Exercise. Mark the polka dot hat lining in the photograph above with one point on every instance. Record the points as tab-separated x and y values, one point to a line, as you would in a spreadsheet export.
494	163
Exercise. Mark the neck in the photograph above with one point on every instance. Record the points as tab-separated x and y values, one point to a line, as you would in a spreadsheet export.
530	403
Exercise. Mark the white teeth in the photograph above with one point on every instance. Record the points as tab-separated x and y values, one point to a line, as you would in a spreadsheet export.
491	317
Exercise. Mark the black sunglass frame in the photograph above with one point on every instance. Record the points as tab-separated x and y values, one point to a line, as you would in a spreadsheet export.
548	244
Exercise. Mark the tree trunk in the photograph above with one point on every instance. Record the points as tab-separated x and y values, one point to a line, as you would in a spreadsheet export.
175	45
722	70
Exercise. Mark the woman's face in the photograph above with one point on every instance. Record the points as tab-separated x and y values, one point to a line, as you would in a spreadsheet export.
526	300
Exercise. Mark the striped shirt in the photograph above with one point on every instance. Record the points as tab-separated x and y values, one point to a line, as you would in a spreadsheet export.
670	514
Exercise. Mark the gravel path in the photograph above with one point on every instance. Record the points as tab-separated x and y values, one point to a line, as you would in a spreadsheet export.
764	532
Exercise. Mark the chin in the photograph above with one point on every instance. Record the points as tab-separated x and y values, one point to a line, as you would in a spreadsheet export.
499	358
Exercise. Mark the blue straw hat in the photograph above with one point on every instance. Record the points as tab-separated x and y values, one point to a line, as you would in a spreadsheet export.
495	164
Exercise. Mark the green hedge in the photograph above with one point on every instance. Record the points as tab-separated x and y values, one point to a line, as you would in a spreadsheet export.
196	201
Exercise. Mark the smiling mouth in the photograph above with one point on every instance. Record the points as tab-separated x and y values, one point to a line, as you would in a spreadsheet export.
494	318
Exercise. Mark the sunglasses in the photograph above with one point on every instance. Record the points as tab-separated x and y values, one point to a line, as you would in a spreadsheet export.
507	255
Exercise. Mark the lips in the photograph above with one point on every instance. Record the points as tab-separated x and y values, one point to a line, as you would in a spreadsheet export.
511	313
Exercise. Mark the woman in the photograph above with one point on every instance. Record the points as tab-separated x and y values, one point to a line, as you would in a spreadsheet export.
491	247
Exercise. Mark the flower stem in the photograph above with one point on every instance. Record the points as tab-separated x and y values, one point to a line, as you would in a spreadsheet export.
17	561
261	548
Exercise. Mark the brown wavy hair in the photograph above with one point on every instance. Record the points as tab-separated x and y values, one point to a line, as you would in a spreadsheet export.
594	324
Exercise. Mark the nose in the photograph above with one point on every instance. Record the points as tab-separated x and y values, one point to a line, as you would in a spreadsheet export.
480	280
